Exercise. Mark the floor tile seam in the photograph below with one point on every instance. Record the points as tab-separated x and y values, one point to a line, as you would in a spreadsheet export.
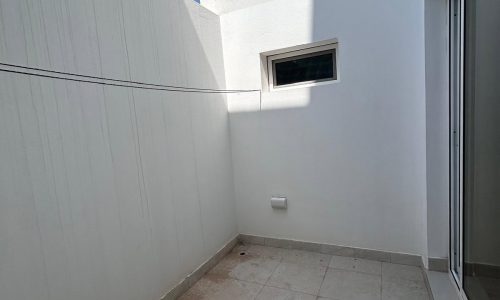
295	291
389	278
280	256
421	269
381	280
237	279
305	264
356	271
284	260
272	273
424	288
267	281
323	279
290	249
330	298
248	281
290	290
272	257
330	260
324	276
255	256
337	254
266	284
399	264
260	291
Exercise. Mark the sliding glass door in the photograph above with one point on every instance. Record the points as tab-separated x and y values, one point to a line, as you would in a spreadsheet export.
475	147
481	203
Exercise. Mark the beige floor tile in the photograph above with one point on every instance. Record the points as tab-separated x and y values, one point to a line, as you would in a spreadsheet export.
264	272
356	264
399	288
272	293
401	271
246	267
298	277
290	255
350	285
213	287
240	248
271	252
305	257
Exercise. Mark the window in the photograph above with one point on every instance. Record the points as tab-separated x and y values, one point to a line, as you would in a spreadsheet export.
304	66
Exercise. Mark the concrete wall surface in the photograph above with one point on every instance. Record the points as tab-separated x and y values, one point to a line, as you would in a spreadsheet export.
351	155
119	193
437	122
110	192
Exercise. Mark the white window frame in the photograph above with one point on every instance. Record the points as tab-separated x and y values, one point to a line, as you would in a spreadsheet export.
302	53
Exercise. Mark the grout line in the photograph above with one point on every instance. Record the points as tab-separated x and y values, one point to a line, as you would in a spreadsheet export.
299	264
381	279
324	277
330	260
282	260
355	271
258	293
272	273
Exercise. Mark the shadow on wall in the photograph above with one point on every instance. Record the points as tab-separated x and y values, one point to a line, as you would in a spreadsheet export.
350	156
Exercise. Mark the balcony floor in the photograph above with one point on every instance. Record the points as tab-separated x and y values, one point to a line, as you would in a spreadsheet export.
259	272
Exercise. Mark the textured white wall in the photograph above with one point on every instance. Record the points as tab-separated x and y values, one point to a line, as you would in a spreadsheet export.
110	192
437	119
225	6
350	156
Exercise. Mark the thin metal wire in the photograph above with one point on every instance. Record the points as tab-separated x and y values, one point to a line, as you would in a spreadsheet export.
121	83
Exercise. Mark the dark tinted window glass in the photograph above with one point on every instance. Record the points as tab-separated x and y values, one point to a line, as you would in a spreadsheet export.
481	173
314	67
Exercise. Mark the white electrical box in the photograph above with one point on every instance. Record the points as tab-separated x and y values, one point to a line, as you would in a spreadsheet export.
278	202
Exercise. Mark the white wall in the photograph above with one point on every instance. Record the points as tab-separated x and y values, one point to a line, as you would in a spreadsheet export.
110	192
225	6
437	122
350	156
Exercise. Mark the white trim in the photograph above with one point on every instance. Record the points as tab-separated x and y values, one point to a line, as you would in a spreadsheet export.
331	249
299	47
186	283
299	51
460	292
457	154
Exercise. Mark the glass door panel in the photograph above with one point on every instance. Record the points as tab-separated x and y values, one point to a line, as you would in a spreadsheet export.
481	200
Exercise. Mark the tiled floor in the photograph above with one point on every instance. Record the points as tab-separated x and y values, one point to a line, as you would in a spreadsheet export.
267	273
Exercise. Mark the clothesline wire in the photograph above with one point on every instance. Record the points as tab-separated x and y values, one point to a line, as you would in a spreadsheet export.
115	82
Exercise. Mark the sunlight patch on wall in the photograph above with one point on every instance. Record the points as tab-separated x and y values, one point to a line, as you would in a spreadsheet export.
254	102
